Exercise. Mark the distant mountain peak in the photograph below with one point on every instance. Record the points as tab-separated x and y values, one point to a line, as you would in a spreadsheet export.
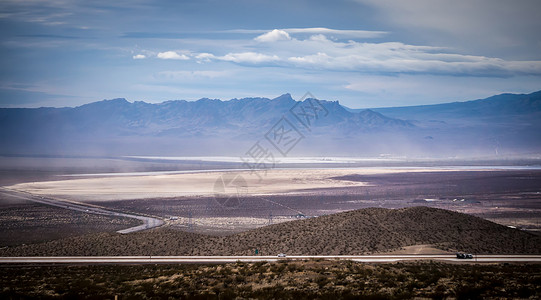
115	100
284	97
208	100
106	103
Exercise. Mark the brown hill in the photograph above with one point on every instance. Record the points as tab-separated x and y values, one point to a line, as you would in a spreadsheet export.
378	229
354	232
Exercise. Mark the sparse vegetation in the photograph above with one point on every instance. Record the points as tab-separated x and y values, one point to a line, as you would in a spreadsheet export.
34	223
281	280
356	232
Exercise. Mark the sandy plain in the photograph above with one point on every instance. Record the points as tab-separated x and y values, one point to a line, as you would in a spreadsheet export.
226	183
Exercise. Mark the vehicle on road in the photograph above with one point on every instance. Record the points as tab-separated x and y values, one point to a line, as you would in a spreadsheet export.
281	255
464	255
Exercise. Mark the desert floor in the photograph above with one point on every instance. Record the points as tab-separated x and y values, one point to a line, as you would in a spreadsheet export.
222	202
220	183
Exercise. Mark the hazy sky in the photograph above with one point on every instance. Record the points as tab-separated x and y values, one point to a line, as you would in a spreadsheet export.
365	53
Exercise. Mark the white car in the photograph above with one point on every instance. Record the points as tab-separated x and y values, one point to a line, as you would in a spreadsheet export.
281	255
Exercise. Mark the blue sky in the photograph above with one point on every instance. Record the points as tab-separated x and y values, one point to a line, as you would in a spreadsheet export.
365	53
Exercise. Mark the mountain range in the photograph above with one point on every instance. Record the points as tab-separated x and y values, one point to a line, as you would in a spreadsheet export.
507	124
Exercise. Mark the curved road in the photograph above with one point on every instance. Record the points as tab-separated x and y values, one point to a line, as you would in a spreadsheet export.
231	259
148	222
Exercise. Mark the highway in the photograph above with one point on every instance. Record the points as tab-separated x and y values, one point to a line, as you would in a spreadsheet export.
148	222
94	260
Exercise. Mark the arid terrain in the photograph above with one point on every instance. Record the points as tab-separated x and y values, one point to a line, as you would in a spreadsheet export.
364	231
32	223
25	222
361	210
508	197
109	188
191	202
281	280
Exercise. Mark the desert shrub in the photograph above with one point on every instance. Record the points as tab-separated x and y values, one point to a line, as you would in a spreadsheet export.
240	279
321	281
226	271
439	292
428	277
469	291
340	275
278	268
523	291
403	294
239	264
292	268
331	280
261	269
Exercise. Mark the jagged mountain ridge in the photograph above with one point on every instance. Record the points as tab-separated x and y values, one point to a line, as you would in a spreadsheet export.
503	124
144	118
117	122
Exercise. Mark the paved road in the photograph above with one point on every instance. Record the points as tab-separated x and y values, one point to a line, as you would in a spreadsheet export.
229	259
148	222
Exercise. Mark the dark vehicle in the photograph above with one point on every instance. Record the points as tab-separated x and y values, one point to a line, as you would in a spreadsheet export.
464	255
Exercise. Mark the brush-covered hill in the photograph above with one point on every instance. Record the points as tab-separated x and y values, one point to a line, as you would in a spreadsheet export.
349	233
378	229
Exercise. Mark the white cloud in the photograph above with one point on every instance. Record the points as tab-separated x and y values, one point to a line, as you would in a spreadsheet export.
407	62
320	59
318	52
249	57
139	56
394	57
239	57
172	55
273	36
318	30
319	38
188	75
338	32
205	57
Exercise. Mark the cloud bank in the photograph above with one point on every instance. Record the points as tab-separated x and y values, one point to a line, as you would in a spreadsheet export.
318	52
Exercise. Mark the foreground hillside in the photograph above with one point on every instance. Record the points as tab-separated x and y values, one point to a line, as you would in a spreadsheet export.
280	280
354	232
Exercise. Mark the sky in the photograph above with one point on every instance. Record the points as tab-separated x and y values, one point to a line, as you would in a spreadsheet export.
364	53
